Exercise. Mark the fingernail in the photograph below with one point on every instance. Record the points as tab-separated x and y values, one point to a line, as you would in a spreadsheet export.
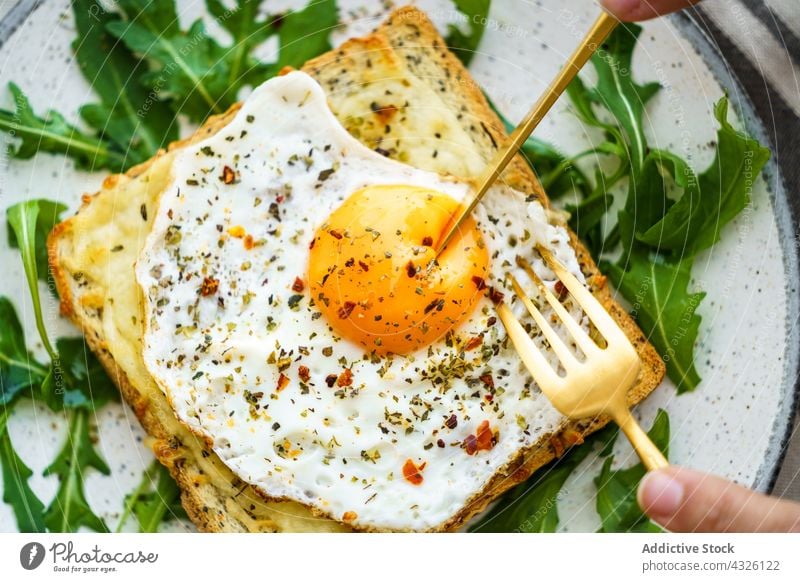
621	8
660	493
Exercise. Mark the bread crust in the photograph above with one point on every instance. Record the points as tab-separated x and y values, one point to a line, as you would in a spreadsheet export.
409	40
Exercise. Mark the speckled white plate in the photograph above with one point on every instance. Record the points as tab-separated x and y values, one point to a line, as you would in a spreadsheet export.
735	424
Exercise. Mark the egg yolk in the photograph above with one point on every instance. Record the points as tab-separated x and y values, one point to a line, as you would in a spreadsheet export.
373	276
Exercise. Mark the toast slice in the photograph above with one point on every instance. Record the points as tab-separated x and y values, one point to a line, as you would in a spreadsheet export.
399	91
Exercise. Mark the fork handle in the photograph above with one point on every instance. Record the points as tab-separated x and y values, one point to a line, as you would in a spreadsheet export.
648	452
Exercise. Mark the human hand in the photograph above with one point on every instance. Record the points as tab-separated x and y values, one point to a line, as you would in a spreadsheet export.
632	10
683	500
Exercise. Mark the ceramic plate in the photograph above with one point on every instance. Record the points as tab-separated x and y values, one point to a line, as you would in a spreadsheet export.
735	424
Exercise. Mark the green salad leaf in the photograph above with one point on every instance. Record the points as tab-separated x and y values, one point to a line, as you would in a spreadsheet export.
19	371
189	66
616	489
247	31
127	116
617	92
712	199
304	34
23	220
51	133
658	291
48	216
73	382
156	499
198	74
85	383
70	510
464	40
28	509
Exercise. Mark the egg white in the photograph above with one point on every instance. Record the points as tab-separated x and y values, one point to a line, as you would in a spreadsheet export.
219	357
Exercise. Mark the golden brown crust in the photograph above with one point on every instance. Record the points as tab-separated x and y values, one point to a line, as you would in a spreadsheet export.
407	44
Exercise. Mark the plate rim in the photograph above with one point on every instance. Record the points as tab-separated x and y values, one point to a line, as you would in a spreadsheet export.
786	211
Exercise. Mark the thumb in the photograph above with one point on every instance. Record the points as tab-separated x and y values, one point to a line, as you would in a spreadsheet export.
683	500
632	10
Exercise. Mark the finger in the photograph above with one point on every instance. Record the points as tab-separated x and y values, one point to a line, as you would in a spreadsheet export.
634	10
683	500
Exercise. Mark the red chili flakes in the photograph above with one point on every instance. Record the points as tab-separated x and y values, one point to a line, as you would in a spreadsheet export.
473	343
248	242
304	373
471	444
346	309
228	175
485	438
349	516
440	443
298	285
561	291
480	283
495	295
209	286
345	378
427	241
330	380
491	321
451	422
411	270
487	380
283	382
363	265
413	473
335	234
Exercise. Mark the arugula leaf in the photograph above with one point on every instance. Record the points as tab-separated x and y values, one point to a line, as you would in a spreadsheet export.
23	219
49	215
247	32
69	510
156	499
713	198
304	34
617	91
616	490
464	44
189	66
19	371
648	199
85	383
126	115
53	134
201	76
663	307
66	383
28	509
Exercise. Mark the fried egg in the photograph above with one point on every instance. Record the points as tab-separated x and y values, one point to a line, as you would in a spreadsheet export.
296	319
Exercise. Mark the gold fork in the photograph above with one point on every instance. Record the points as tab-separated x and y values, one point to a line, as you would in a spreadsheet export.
598	384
